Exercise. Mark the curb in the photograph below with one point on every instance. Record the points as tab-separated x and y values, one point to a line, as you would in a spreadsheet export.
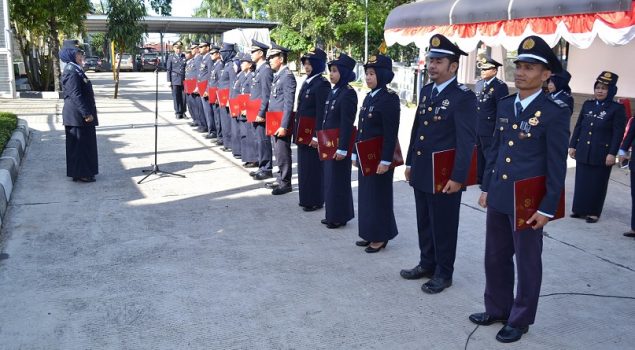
10	163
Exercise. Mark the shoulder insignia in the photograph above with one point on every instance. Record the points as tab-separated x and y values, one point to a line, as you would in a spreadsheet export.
464	87
559	103
391	91
508	96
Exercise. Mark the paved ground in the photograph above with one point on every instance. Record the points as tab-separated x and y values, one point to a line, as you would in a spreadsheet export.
213	261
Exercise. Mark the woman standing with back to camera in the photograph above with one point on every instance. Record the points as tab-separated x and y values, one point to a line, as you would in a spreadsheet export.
79	116
594	144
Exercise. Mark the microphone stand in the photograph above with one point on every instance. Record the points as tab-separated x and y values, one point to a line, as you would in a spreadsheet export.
155	167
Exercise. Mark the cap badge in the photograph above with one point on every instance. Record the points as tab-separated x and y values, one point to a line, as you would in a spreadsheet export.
529	44
483	60
372	59
436	42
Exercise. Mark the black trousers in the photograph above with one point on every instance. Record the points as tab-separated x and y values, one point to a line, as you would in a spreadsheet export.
282	149
178	98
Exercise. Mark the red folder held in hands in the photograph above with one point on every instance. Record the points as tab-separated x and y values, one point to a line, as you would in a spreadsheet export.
223	97
528	193
201	85
253	107
328	142
238	104
211	94
189	85
273	122
369	155
442	166
304	133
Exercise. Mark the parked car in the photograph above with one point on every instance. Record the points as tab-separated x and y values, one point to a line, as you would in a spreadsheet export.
95	63
150	61
127	62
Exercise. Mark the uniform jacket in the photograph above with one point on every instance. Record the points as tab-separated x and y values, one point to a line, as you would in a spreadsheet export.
447	121
283	95
245	87
566	98
176	68
339	113
192	67
379	116
261	87
237	85
598	131
628	142
487	97
215	72
520	151
79	98
204	68
227	75
312	98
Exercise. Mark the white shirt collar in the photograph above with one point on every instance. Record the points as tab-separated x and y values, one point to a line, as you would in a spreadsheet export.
308	80
259	64
282	67
527	100
490	81
555	94
372	94
442	86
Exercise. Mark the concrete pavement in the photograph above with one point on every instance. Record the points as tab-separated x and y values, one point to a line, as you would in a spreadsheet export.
213	261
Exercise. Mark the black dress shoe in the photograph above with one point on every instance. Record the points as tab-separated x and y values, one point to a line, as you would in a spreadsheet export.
576	216
324	222
362	243
250	165
193	124
333	225
201	129
416	273
312	208
485	319
629	234
85	179
272	185
281	190
219	143
436	285
263	175
591	220
226	149
210	136
237	156
178	116
370	249
509	334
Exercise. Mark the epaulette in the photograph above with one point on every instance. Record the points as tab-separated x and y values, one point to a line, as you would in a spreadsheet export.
464	87
508	96
391	91
349	87
559	103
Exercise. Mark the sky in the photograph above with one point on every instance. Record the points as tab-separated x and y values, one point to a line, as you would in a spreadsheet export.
180	8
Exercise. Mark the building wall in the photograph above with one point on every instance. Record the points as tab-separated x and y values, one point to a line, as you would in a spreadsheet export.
585	65
7	80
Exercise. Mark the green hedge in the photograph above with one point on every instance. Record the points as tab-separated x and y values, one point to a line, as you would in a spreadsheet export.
8	123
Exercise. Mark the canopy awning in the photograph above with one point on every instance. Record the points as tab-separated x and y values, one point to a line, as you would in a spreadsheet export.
506	22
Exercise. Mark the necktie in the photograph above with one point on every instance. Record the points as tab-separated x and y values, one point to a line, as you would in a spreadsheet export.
435	92
519	109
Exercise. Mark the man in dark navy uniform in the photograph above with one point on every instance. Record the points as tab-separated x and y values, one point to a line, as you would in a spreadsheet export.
489	89
203	76
215	71
445	119
530	139
282	99
176	74
194	99
226	78
261	89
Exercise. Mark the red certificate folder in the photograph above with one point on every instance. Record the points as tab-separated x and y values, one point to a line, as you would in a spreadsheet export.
211	94
304	134
328	142
237	105
442	165
253	107
369	155
189	85
223	97
202	86
528	193
273	122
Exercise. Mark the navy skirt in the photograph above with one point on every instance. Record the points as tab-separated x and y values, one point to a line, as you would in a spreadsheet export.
591	183
81	151
375	206
338	195
310	183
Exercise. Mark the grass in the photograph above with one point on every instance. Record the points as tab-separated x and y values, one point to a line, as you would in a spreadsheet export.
8	123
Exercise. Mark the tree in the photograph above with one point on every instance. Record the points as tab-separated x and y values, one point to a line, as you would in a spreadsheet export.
37	26
125	29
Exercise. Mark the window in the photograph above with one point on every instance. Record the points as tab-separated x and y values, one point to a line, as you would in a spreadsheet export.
482	50
561	50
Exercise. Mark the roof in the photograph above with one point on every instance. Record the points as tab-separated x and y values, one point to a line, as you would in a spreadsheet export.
164	24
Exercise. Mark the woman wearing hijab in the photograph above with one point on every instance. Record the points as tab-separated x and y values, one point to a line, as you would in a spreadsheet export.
339	114
79	117
378	117
594	144
311	100
559	89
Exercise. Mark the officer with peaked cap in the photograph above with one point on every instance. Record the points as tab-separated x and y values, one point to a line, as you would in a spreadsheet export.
203	84
311	100
214	76
445	119
378	117
261	90
194	99
226	76
248	146
489	89
281	99
594	144
340	105
558	87
530	140
176	74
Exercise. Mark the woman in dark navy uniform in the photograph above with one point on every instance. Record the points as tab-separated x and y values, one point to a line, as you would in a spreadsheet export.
311	100
379	116
339	113
559	89
247	132
80	117
594	145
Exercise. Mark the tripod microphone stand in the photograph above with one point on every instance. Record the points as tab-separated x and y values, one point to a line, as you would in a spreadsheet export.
155	167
